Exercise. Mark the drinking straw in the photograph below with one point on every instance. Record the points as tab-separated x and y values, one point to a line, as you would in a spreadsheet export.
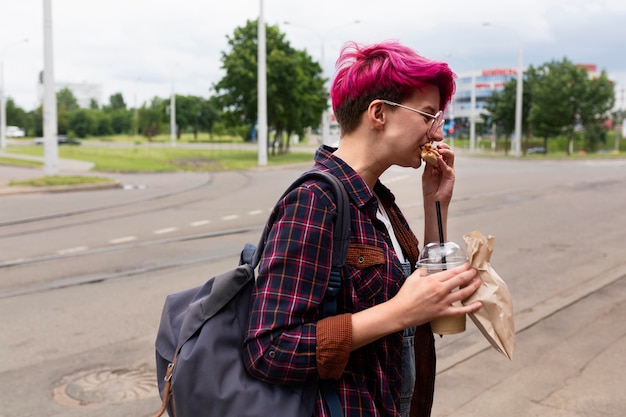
441	239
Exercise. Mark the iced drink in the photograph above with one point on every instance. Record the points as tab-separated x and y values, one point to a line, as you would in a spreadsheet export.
437	257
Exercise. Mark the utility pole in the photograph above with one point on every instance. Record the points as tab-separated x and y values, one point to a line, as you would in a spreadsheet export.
262	91
50	130
517	150
619	124
173	115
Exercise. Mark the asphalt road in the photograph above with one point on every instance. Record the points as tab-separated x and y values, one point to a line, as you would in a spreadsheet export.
83	275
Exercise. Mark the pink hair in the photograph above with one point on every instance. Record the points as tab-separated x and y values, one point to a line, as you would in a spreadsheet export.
386	70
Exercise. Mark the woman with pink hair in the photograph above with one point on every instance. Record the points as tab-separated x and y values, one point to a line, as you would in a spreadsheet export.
379	348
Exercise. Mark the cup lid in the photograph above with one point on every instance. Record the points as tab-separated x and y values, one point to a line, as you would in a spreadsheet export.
442	253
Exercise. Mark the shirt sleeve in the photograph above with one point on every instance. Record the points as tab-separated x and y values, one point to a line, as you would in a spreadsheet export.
334	341
281	339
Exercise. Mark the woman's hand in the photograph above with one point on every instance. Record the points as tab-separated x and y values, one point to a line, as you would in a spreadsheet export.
425	297
421	299
438	181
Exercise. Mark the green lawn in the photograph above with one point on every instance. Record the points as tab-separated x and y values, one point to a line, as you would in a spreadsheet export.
153	159
20	162
61	180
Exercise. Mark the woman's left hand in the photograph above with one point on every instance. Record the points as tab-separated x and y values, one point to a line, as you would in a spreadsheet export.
438	182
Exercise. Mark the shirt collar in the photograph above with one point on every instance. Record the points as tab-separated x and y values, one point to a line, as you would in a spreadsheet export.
356	187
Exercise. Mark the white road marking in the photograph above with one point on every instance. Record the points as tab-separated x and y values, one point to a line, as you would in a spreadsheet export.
122	240
166	230
200	223
255	212
231	217
72	250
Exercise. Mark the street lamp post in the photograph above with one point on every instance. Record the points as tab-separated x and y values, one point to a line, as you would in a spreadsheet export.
135	114
261	90
518	104
50	123
322	36
3	109
173	114
473	114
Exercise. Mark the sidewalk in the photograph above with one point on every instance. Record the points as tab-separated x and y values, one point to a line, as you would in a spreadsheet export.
570	364
10	173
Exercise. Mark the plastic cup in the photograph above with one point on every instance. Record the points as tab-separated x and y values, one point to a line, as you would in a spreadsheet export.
437	257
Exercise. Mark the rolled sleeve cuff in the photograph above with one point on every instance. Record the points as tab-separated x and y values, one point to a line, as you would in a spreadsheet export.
334	341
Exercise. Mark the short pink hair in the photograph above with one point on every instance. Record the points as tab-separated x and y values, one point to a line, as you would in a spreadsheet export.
387	70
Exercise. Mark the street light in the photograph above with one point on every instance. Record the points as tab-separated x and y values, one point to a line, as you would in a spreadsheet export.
322	36
516	146
3	110
261	89
173	112
135	114
50	122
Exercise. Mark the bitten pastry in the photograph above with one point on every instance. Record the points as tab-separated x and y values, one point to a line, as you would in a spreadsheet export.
430	154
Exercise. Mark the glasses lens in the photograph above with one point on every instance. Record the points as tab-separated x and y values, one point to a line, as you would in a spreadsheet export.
435	128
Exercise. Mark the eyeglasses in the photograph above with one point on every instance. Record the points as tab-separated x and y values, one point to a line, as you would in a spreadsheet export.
437	119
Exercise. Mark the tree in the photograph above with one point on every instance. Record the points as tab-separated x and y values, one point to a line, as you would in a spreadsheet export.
66	103
120	119
565	98
501	108
15	116
150	118
208	116
597	100
66	100
594	135
116	102
297	80
295	93
82	122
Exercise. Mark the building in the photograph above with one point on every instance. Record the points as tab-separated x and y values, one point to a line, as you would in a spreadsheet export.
481	84
83	92
472	90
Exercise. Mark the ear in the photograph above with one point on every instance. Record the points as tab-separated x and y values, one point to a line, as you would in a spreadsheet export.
376	115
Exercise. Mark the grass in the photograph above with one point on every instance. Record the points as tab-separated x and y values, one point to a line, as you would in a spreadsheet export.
51	181
165	159
20	162
142	157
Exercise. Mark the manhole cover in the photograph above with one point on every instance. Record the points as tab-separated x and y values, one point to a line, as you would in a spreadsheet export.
105	386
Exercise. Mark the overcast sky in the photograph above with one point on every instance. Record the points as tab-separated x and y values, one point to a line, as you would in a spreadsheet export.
141	47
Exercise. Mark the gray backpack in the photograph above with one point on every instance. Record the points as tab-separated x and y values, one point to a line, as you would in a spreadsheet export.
199	344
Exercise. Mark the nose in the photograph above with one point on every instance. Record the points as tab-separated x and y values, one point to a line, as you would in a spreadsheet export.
435	133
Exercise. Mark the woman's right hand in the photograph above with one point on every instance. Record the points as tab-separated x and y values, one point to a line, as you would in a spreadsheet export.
425	297
421	299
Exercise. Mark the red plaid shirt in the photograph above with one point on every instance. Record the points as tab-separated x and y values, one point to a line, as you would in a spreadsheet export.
292	277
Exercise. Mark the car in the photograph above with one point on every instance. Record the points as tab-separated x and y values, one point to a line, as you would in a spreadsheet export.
61	140
535	150
14	132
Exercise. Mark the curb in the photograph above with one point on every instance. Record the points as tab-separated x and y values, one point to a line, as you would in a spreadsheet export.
59	188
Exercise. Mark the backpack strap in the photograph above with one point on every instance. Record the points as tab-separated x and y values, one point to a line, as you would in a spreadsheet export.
341	239
341	236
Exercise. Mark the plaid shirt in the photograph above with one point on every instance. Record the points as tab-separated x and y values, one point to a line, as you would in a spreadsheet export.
292	277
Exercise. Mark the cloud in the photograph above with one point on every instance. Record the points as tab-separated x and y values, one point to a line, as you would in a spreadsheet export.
141	47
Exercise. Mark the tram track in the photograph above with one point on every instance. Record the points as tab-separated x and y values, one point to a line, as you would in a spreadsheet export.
91	278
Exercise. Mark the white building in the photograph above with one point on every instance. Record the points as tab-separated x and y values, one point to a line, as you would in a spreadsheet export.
83	92
472	90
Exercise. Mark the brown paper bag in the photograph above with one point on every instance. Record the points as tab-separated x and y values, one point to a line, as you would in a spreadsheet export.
495	318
